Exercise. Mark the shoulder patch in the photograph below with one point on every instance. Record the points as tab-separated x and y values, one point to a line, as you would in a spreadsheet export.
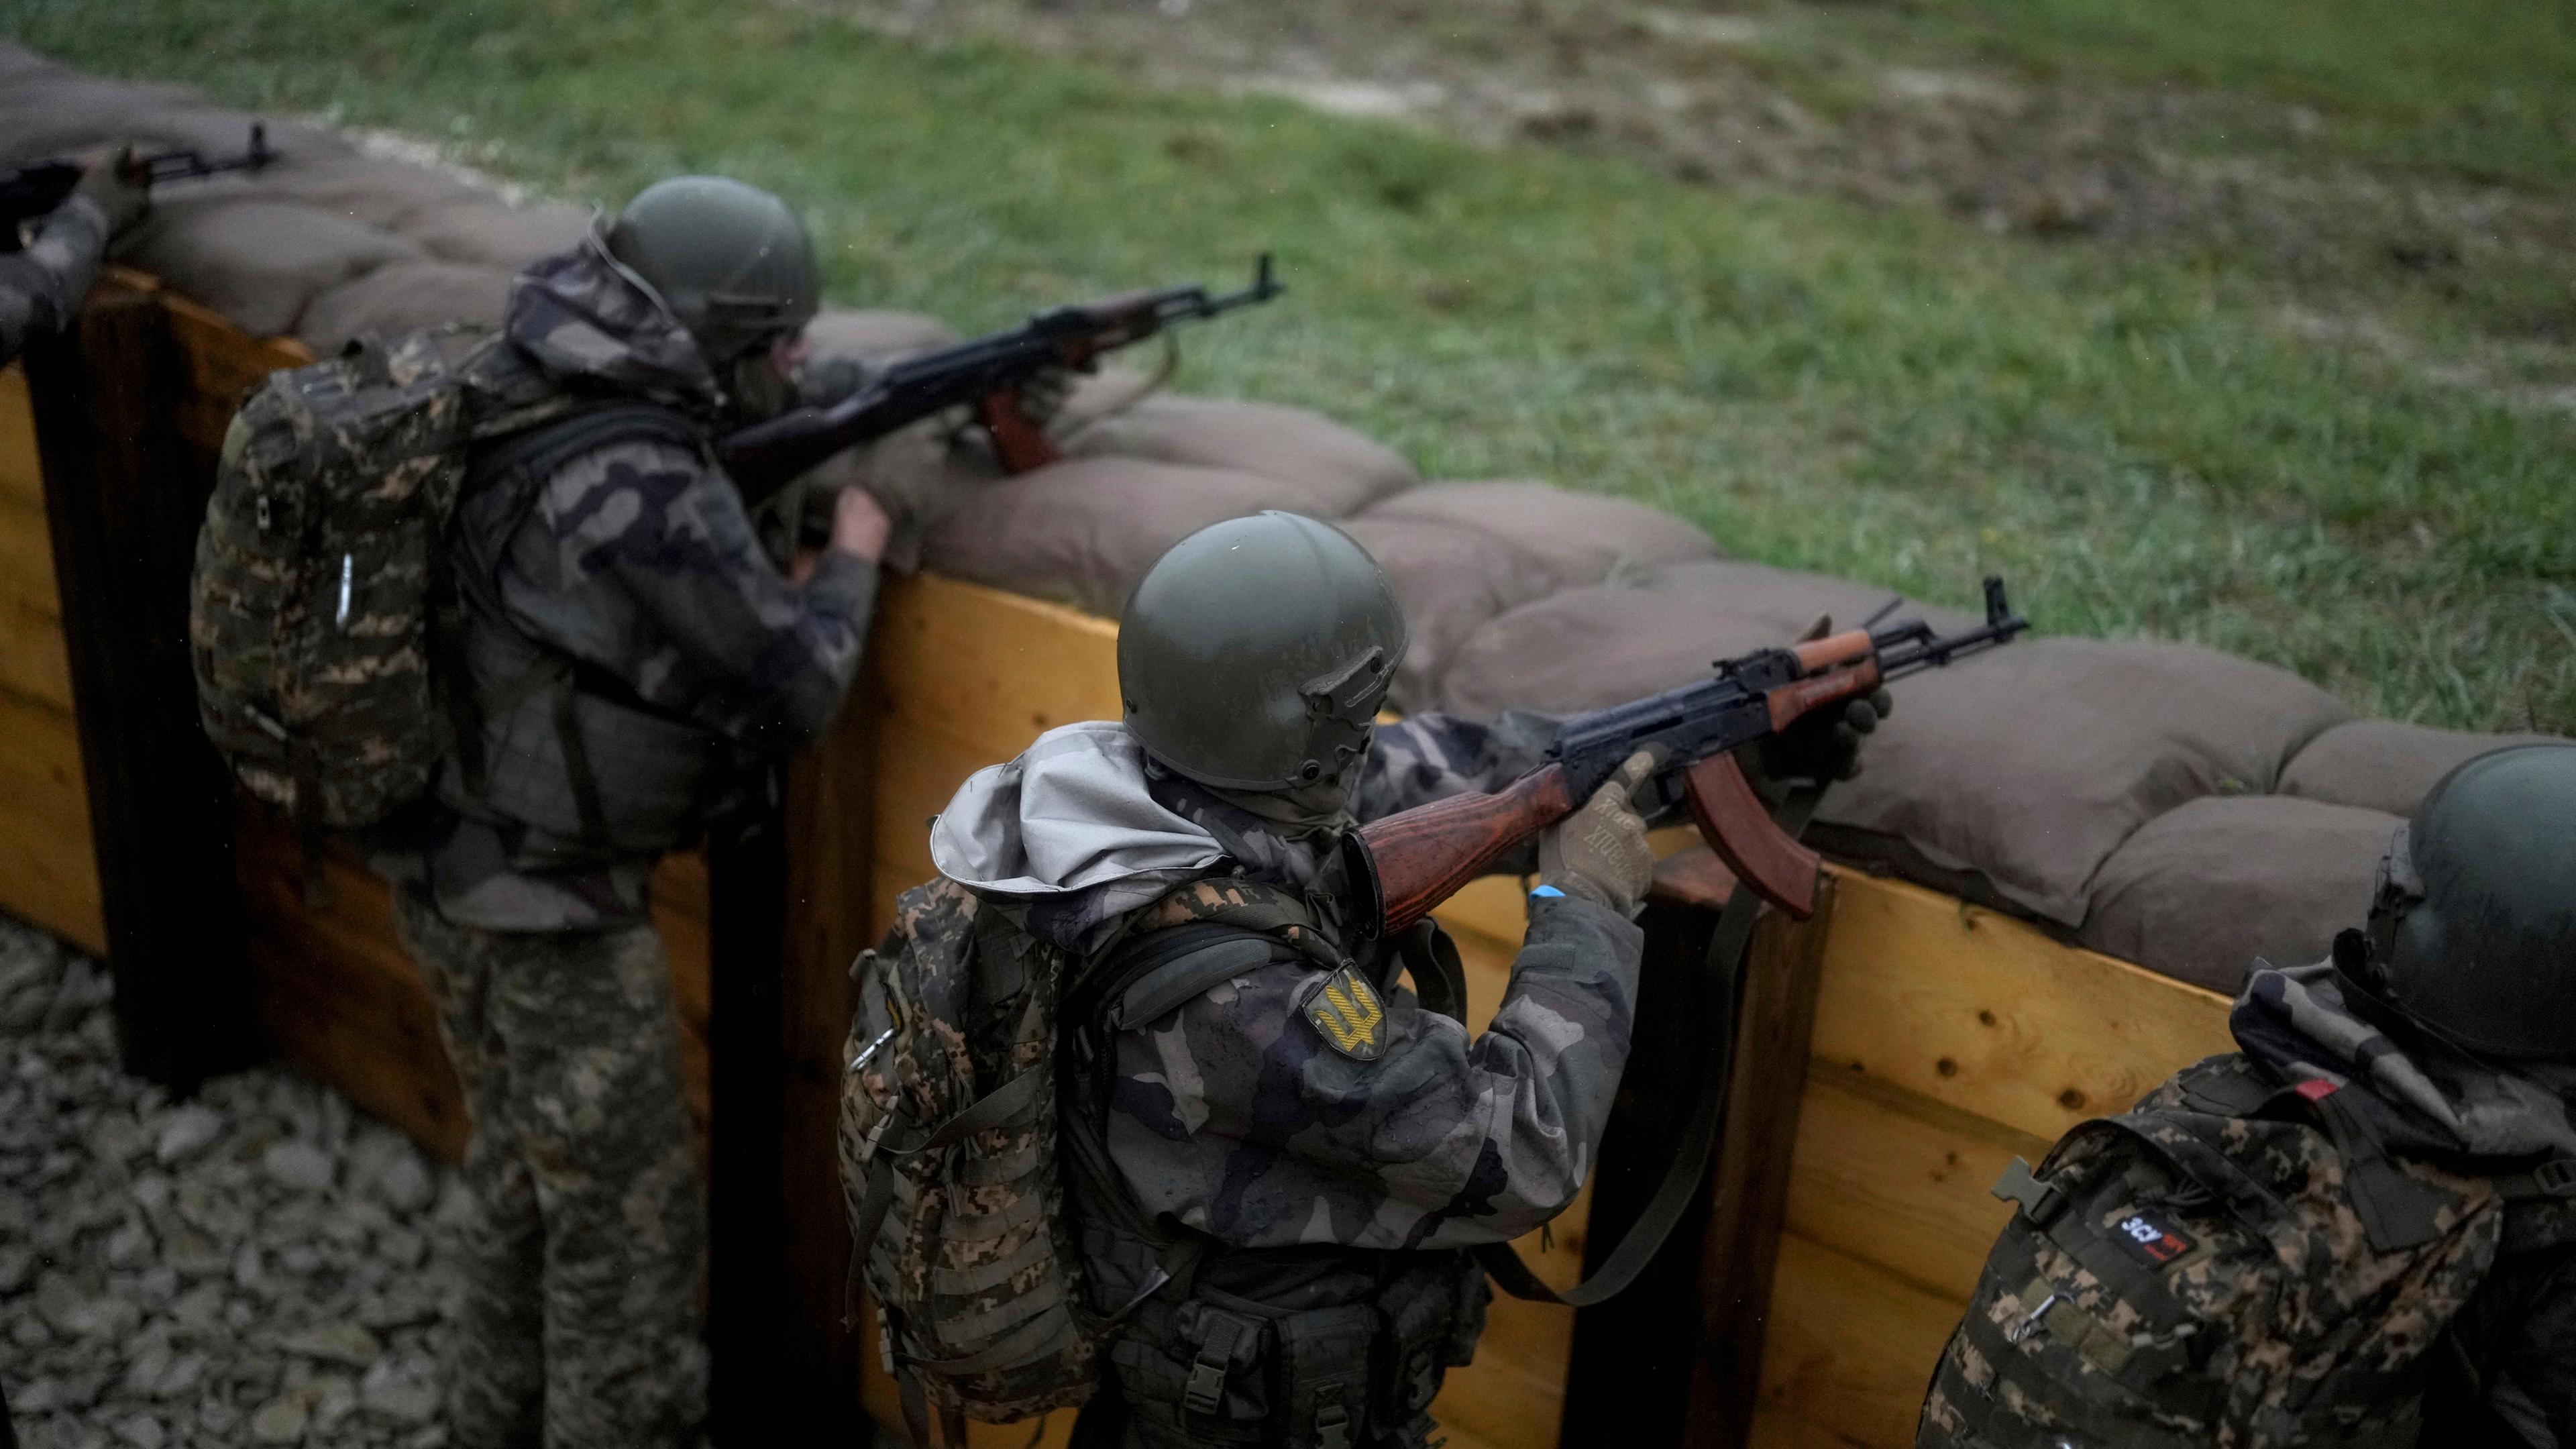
1350	1014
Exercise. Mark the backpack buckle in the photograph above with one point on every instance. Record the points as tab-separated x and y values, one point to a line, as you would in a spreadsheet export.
1224	1340
1332	1421
2040	1201
1206	1388
2556	1177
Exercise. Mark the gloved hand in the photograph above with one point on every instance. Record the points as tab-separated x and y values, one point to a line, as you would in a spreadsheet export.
1823	746
118	193
1599	852
1045	394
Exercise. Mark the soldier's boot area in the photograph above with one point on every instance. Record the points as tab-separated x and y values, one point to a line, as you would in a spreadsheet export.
580	1324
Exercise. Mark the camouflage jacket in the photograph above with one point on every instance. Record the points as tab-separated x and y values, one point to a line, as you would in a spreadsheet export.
1295	1104
635	563
43	282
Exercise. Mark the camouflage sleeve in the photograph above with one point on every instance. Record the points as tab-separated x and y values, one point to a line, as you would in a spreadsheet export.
1292	1105
728	640
1424	757
43	282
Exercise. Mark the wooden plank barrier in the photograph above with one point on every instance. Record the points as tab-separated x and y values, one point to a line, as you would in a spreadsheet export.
1945	1039
48	866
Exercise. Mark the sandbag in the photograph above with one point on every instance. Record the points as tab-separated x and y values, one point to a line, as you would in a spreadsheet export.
1451	582
1578	538
259	263
324	171
402	297
2027	766
1336	472
2386	764
1083	531
2202	890
1584	648
485	231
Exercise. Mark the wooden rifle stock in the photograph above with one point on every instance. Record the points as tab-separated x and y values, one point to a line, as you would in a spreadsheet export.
1420	858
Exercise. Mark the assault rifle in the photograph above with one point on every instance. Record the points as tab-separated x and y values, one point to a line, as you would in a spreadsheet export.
1404	865
986	373
31	191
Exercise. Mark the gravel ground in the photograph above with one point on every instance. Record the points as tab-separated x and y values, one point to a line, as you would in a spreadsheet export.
251	1267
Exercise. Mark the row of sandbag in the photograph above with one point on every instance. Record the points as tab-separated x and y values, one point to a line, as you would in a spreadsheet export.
2172	806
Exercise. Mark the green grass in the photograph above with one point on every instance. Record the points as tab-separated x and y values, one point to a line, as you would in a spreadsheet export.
1884	393
2479	89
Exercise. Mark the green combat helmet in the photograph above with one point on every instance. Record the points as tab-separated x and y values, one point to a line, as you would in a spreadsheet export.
2473	928
731	262
1256	652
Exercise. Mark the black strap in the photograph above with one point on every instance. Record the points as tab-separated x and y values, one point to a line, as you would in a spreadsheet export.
1697	1148
2555	1178
1439	977
916	1408
309	823
576	753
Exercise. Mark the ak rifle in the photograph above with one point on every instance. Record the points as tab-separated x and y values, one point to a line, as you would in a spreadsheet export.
986	374
1404	865
32	191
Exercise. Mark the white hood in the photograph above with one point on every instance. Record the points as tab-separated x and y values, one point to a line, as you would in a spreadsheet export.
1071	816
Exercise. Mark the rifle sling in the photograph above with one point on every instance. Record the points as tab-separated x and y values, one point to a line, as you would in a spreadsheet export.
1697	1149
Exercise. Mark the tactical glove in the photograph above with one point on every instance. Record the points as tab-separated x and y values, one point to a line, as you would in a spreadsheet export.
1599	852
1824	746
119	194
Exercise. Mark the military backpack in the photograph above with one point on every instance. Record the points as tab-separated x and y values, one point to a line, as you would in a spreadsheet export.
2234	1262
321	568
953	1157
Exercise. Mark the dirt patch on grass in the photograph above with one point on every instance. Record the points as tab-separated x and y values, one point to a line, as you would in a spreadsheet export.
1799	96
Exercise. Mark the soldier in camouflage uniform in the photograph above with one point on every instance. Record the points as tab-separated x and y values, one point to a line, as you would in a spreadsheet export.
1276	1159
2358	1231
629	646
43	282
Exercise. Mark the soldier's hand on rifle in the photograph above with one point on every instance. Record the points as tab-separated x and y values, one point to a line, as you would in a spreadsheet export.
119	188
1825	745
1044	395
1599	852
860	525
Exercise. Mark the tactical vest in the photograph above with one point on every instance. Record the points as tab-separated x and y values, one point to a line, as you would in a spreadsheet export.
542	738
2233	1262
1312	1347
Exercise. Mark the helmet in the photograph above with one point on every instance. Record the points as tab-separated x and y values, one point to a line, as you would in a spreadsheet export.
2473	924
1255	653
731	262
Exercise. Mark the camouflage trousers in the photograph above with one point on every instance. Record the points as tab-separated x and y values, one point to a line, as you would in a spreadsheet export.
580	1325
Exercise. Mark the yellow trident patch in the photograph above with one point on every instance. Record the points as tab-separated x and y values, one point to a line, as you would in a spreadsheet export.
1346	1009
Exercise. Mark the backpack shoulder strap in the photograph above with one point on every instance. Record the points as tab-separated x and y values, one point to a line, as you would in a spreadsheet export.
535	448
1153	974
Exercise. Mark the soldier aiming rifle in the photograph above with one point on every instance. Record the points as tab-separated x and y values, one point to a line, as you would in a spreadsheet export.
76	210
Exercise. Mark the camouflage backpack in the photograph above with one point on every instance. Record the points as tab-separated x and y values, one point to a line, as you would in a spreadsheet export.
2233	1262
322	564
951	1161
